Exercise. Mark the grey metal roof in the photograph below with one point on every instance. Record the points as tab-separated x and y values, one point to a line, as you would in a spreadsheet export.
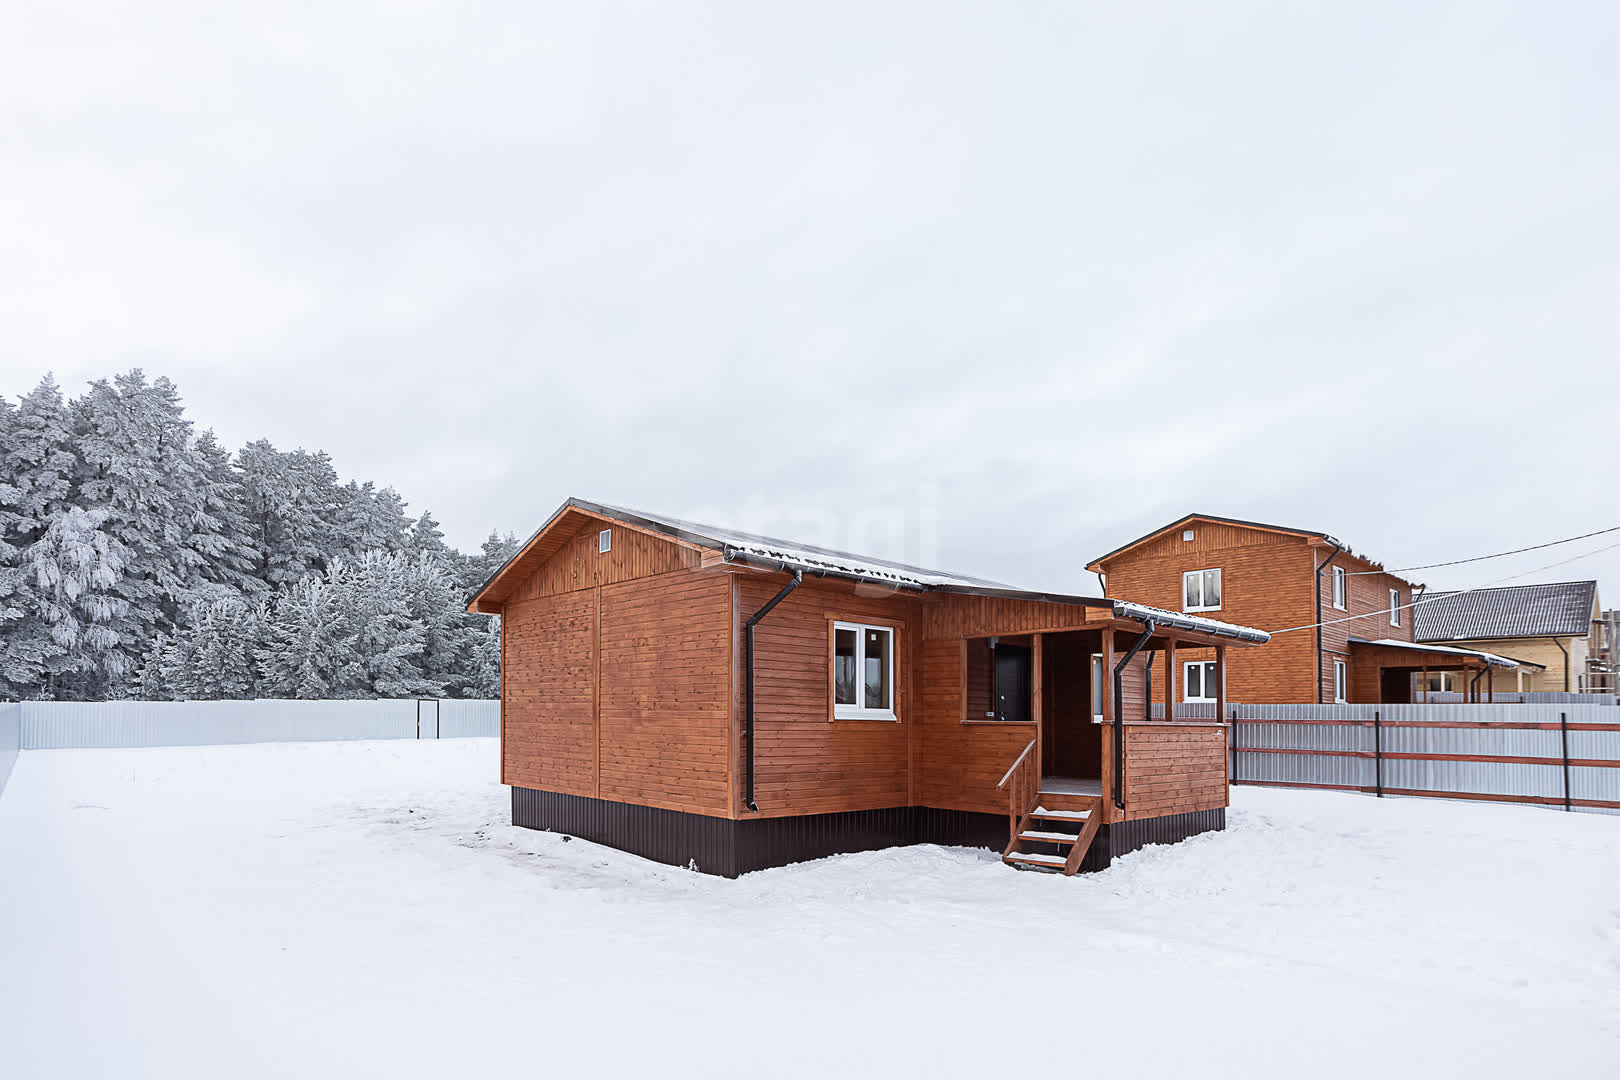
1560	610
770	553
1447	650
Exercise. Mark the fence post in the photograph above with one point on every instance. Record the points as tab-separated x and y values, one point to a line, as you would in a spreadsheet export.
1563	730
1378	752
1232	739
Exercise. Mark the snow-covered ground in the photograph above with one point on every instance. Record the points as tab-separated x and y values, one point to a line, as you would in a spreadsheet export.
363	909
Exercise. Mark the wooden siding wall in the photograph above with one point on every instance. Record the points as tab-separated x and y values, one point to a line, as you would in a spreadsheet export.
1173	769
805	762
578	565
665	691
548	723
616	681
1367	608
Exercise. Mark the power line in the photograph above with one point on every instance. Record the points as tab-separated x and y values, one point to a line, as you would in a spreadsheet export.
1482	558
1459	592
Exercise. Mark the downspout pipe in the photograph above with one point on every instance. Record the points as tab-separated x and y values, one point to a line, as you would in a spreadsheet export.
1558	642
1338	546
1119	710
1473	684
748	687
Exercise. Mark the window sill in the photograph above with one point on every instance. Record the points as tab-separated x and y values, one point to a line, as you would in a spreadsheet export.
1197	610
878	715
1000	723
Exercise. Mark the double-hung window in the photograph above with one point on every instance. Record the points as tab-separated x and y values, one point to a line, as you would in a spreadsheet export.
1394	607
1198	679
863	672
1201	590
1339	681
1340	587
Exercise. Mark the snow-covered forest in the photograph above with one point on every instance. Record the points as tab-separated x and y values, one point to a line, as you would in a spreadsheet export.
140	558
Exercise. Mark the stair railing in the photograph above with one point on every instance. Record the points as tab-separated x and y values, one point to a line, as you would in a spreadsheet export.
1022	786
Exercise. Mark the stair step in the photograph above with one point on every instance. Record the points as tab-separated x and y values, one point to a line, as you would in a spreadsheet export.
1048	837
1056	861
1060	815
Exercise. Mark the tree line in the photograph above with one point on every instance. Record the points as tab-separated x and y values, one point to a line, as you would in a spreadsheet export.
140	558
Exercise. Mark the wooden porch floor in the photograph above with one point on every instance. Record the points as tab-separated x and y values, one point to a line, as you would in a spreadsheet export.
1070	785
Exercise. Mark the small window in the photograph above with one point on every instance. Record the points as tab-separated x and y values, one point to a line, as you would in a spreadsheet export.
1201	590
1339	586
1098	674
1339	681
863	672
604	541
1199	679
1186	534
1394	607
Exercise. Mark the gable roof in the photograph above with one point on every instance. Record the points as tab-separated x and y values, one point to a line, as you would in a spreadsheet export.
1559	610
1179	522
752	549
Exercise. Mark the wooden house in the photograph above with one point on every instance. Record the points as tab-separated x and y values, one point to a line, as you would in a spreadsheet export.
1341	624
712	698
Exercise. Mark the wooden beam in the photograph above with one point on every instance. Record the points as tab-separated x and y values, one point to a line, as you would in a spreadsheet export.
1035	702
1170	679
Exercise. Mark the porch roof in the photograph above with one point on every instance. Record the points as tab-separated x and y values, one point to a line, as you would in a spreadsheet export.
1491	659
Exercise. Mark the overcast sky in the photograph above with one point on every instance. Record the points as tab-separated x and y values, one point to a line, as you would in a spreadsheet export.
1027	280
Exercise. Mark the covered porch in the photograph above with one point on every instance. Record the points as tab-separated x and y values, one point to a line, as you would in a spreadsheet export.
1393	672
1100	745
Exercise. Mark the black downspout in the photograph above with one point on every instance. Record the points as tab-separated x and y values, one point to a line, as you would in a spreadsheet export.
1565	651
748	683
1119	711
1473	684
1338	546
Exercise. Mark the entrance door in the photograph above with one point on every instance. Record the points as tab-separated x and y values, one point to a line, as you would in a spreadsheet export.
1014	679
1395	686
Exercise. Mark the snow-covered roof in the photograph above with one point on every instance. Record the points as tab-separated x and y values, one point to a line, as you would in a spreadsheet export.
1490	658
772	553
1124	609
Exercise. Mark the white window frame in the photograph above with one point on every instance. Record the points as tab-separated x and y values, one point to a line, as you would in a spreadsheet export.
1210	667
1394	607
1099	673
604	541
1221	585
860	711
1341	682
1341	588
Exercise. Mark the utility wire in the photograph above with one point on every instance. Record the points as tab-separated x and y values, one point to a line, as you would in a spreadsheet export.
1482	558
1458	592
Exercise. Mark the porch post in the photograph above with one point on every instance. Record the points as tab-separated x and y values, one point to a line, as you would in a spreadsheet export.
1109	705
1220	682
1035	703
1425	682
1490	684
1170	679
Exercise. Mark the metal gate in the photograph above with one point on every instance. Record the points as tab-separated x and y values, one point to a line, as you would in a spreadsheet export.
427	719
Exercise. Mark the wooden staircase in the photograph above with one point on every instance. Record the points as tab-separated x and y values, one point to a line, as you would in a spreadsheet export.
1049	830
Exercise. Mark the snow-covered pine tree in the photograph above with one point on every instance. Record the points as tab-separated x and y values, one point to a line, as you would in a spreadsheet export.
388	642
446	638
68	642
138	468
292	499
38	462
485	679
307	645
216	517
220	646
369	519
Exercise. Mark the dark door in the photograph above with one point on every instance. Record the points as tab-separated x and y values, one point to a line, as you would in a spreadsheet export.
1014	677
1395	686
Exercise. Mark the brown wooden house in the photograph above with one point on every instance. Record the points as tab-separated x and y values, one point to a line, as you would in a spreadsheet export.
1341	624
713	698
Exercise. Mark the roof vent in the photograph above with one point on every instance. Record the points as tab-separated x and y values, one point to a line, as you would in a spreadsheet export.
1186	534
604	541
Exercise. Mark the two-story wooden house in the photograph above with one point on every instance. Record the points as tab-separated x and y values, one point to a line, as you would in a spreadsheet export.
1340	624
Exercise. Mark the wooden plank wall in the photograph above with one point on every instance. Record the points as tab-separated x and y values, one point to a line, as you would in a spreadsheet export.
1265	583
1173	769
806	762
665	691
548	729
577	564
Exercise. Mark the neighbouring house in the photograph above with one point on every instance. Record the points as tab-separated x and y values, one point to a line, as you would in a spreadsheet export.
1558	627
1340	624
723	700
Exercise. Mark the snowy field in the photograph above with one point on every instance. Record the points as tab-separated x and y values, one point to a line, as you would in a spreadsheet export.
363	909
